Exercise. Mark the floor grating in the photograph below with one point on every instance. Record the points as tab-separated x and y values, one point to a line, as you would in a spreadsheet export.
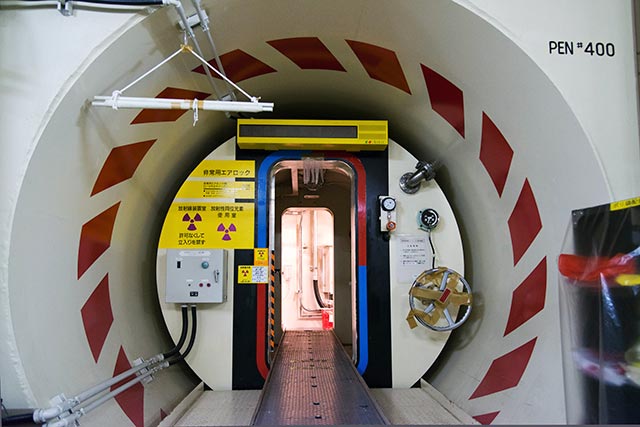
313	382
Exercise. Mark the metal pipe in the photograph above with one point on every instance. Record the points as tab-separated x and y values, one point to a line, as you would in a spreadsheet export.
189	31
204	23
123	2
108	2
410	181
72	418
42	415
106	384
181	104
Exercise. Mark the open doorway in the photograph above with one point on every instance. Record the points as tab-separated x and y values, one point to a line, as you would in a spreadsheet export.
307	279
314	198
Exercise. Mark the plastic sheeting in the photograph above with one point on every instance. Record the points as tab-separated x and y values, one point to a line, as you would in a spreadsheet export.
600	314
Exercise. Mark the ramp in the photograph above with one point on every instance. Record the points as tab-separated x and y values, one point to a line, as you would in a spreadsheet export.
313	382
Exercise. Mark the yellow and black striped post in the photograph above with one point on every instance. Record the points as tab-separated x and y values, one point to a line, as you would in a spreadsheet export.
272	305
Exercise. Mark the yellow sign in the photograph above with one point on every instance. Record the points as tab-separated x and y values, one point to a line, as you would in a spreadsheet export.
225	169
252	274
261	256
244	274
350	135
217	190
624	204
208	225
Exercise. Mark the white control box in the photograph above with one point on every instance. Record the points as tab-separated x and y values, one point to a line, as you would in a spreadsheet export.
196	276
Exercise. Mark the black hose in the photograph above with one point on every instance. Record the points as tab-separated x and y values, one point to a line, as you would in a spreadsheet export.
192	338
316	292
13	420
183	334
433	252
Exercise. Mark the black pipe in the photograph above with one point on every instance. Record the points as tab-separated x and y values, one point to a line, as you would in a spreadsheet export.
14	420
192	338
183	335
316	292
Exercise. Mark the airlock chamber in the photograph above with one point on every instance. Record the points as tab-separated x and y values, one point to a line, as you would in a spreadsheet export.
90	189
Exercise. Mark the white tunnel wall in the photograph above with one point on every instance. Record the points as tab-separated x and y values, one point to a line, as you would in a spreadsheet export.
49	174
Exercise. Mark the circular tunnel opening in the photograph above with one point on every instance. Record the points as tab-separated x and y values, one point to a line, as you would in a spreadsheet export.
506	173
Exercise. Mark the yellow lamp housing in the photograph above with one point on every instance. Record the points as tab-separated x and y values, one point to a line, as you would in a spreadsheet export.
343	135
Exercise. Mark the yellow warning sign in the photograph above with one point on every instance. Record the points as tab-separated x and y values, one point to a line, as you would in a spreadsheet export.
208	225
252	274
217	190
261	256
244	274
225	169
624	204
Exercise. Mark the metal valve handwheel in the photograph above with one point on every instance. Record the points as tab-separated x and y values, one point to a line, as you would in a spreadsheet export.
433	294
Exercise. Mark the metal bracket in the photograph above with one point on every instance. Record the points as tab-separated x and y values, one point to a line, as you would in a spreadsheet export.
65	7
140	361
192	20
410	181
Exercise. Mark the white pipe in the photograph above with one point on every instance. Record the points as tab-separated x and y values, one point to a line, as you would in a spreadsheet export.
106	384
300	244
72	418
180	104
314	246
43	415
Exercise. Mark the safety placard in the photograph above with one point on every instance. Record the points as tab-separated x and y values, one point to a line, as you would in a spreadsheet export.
208	225
261	256
412	257
225	169
217	190
252	274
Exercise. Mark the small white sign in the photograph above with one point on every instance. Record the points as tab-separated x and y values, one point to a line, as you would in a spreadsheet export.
413	257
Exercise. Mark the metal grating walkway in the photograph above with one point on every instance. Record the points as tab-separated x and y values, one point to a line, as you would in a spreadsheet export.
313	382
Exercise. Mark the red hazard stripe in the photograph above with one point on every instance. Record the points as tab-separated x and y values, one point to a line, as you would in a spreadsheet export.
446	98
528	298
97	317
380	64
238	66
308	53
130	401
524	222
121	164
95	238
506	371
487	418
495	153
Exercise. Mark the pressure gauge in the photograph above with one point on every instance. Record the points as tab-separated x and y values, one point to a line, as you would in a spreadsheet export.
387	215
388	204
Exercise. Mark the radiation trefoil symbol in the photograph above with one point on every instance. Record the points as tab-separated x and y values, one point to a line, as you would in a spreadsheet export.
192	221
222	228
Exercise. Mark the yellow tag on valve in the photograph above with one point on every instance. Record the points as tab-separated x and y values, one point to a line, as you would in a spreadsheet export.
628	279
